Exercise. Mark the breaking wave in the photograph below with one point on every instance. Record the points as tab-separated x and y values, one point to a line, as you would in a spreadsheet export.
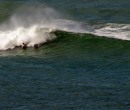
35	25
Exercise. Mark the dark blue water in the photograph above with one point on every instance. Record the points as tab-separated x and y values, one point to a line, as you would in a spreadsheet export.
73	72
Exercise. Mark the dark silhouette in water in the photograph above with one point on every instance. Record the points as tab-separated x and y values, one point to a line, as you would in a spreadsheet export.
24	46
36	46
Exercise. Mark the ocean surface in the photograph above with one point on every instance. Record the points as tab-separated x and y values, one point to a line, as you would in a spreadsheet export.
83	59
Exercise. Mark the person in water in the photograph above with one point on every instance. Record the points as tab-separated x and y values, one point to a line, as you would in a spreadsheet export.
24	46
36	46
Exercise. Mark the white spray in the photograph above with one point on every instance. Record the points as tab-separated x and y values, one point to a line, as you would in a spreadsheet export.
32	25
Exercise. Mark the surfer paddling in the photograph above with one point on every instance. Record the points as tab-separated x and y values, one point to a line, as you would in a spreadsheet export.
36	46
24	46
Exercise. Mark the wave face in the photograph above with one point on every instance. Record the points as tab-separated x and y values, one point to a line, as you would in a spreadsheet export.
36	24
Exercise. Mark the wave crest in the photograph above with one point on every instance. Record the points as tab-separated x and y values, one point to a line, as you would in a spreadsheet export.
34	25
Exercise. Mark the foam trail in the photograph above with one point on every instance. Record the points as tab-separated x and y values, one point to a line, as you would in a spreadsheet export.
118	31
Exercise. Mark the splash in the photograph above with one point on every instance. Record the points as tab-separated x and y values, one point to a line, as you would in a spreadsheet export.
33	25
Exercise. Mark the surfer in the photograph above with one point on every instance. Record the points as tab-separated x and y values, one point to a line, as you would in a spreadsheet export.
36	46
24	46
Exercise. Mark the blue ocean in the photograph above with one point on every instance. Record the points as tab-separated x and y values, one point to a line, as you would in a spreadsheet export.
83	58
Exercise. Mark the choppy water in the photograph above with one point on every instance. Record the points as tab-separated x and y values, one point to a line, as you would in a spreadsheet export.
84	58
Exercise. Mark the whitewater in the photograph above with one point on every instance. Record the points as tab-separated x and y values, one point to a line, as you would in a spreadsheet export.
35	25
